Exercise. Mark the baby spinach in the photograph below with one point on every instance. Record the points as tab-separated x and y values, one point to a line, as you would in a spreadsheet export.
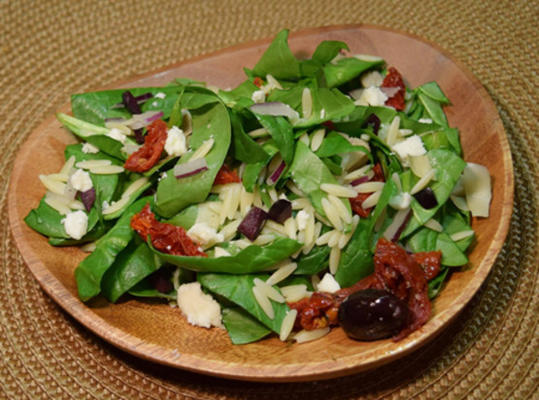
131	266
328	50
245	148
251	259
436	284
334	144
428	240
433	109
239	290
91	270
241	327
145	289
252	171
313	262
278	60
281	132
347	69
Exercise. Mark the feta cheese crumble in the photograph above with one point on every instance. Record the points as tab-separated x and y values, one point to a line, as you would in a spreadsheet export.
160	95
204	234
175	144
81	181
411	146
76	224
371	96
328	284
199	308
258	96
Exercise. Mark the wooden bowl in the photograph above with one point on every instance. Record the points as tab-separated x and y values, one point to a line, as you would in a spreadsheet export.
159	333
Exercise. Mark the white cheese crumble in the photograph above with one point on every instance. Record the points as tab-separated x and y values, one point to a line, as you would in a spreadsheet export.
160	95
328	284
204	234
302	218
371	96
258	96
76	224
199	308
411	146
425	120
89	148
116	134
175	143
81	181
371	78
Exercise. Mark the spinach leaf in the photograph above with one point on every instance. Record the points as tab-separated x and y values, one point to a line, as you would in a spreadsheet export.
241	327
432	90
436	284
334	144
239	290
278	60
453	221
328	50
328	105
91	270
290	96
313	262
245	148
251	259
433	109
281	132
309	172
210	121
428	240
185	218
145	289
244	90
347	69
131	266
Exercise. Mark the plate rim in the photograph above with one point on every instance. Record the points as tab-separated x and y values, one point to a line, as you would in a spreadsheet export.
151	352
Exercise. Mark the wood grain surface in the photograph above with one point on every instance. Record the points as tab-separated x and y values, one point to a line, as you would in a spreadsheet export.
159	333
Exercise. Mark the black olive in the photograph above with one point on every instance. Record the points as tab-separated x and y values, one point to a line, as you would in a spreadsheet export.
426	198
372	314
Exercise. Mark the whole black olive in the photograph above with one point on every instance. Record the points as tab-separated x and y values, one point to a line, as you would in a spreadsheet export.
426	198
372	314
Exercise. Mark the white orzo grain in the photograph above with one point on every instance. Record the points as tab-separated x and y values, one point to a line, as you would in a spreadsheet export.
334	259
106	170
287	324
52	184
317	138
269	291
257	133
461	235
358	173
68	166
434	225
324	238
284	271
393	132
344	213
338	190
229	230
372	200
203	150
369	187
460	203
263	302
332	214
398	220
306	103
307	336
423	182
294	189
301	203
291	228
57	204
304	139
92	163
334	238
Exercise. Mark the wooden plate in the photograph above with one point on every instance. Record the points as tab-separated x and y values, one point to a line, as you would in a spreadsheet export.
159	333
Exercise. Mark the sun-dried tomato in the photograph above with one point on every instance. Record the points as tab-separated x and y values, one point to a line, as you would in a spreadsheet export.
226	175
148	155
393	79
167	238
356	202
258	82
430	261
329	124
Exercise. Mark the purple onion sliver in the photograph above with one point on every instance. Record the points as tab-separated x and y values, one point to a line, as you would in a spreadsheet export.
426	198
277	173
140	100
130	102
280	211
155	116
397	234
88	198
252	224
359	181
374	122
161	284
191	173
139	137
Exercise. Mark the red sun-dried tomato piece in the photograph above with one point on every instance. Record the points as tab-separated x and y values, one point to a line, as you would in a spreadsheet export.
356	202
167	238
258	82
148	155
393	79
430	261
226	175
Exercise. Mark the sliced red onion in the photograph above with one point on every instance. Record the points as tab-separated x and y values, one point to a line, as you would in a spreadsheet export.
426	198
280	211
161	283
374	122
130	102
274	177
275	108
252	224
88	198
141	120
390	91
190	168
359	181
397	234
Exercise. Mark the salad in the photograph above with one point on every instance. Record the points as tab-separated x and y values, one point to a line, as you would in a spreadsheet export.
319	192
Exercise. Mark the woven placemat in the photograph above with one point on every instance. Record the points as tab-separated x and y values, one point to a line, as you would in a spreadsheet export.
49	49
